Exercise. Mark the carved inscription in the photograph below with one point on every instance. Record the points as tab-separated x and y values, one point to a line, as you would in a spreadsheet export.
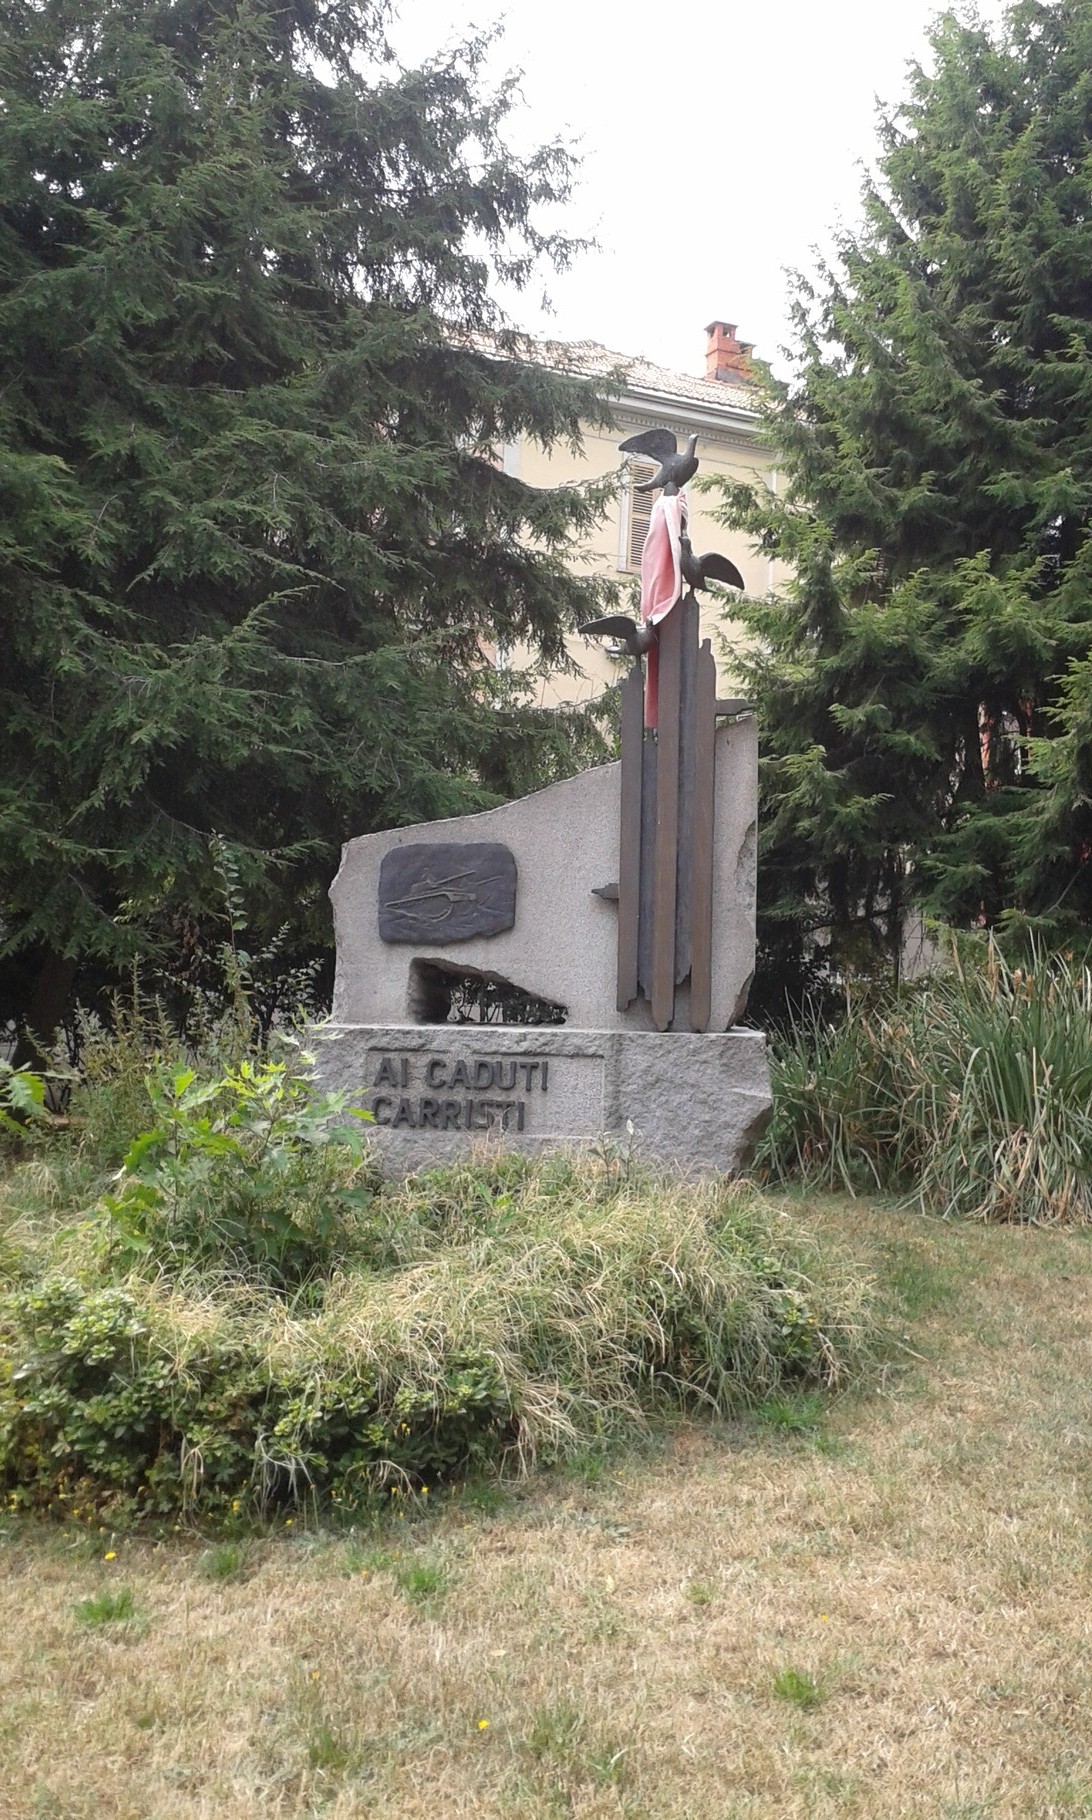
446	892
423	1091
478	1094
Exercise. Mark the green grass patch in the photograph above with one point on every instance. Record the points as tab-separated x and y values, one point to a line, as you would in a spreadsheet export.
485	1497
798	1687
422	1582
224	1562
562	1742
329	1751
919	1283
364	1561
799	1414
107	1608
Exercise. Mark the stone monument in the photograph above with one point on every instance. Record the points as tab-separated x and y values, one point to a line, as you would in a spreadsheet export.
606	923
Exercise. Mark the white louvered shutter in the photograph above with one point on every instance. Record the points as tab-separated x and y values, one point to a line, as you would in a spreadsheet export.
639	512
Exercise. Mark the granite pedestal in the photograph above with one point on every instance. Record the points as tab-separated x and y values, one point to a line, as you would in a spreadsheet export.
695	1102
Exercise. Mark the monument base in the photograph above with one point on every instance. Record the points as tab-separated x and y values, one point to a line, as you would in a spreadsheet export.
693	1102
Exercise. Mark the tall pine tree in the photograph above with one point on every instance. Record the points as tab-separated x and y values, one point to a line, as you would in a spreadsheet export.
253	537
923	677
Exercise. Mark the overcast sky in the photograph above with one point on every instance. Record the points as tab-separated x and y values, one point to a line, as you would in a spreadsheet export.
719	145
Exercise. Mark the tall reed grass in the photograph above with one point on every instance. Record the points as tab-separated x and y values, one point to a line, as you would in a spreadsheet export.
970	1092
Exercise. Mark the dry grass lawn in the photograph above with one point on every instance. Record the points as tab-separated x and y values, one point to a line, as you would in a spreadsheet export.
883	1608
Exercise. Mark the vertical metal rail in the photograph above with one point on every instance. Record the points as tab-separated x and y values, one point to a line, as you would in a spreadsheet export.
701	885
629	852
687	611
649	755
666	841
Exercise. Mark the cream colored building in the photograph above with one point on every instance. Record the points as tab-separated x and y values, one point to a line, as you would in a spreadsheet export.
722	408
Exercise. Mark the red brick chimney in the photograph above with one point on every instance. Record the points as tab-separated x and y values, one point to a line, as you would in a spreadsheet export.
725	357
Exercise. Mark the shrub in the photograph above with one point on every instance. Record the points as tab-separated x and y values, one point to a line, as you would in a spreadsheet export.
973	1092
524	1311
836	1105
252	1172
1001	1101
22	1099
110	1103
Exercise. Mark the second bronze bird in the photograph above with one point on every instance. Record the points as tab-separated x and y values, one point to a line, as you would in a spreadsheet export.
698	572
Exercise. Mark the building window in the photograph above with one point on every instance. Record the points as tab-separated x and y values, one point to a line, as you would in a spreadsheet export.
636	512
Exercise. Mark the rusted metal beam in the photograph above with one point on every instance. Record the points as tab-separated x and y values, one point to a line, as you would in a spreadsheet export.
701	853
689	632
649	756
629	851
666	844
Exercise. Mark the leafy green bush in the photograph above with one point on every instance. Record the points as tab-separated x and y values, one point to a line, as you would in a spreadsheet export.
252	1172
524	1310
228	1005
973	1091
22	1099
213	1026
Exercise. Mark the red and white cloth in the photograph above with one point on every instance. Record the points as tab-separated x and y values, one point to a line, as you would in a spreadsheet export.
661	582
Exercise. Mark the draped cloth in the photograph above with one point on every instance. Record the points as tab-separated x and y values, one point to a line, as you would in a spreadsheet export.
661	583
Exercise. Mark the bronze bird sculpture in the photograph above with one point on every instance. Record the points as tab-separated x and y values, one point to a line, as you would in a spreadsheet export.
698	571
674	470
637	639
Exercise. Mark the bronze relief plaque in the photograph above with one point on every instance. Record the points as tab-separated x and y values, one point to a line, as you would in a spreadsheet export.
446	892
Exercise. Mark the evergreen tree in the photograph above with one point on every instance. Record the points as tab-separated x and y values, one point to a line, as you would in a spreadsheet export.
922	678
254	542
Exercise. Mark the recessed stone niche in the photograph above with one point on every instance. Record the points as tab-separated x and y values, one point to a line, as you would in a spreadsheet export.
445	992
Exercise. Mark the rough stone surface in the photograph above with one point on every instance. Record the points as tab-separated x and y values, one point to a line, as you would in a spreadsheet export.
563	944
697	1103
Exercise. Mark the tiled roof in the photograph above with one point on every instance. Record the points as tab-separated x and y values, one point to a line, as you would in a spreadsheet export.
594	361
